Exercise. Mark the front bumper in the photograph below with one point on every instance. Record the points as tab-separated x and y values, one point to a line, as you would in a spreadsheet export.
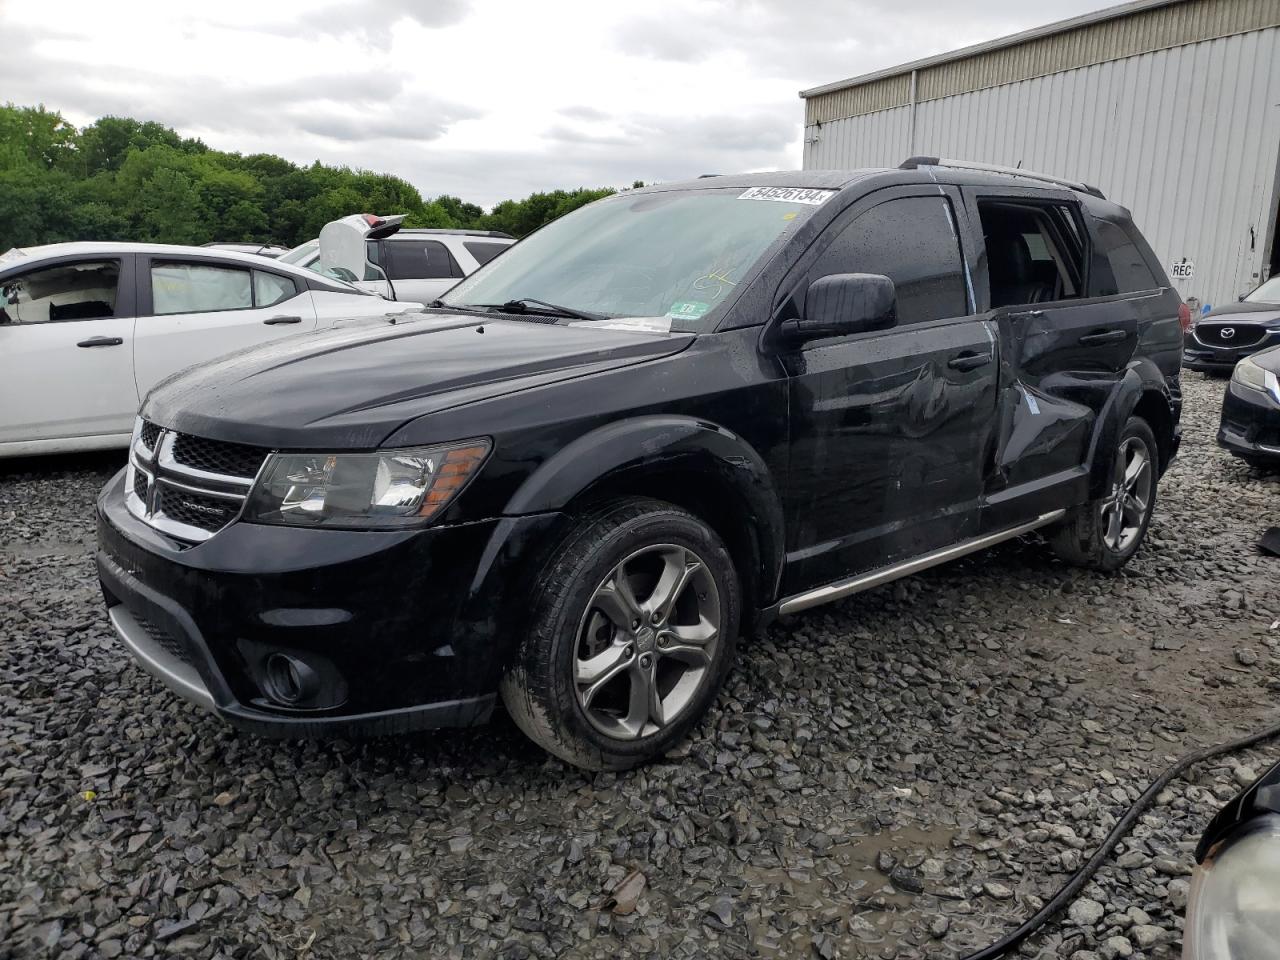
393	630
1250	424
1213	359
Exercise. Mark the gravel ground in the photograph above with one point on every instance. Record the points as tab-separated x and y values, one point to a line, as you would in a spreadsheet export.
905	774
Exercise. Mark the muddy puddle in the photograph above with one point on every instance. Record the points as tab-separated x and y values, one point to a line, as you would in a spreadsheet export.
846	896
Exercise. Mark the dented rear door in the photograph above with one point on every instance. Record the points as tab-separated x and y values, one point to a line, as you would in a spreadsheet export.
1060	363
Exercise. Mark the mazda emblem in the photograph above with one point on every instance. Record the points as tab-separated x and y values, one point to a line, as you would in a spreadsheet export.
1228	332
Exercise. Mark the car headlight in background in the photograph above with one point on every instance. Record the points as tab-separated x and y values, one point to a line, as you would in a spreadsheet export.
387	488
1253	376
1233	911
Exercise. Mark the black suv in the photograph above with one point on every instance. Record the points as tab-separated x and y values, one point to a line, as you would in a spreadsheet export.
645	429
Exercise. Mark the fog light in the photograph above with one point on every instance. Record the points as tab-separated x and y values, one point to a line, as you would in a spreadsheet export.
289	680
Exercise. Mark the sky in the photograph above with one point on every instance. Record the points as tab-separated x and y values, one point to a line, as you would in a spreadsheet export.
483	99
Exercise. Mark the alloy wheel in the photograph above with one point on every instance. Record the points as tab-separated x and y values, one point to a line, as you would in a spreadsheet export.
647	641
1124	509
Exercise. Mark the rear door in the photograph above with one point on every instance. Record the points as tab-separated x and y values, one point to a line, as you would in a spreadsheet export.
66	349
194	309
1064	349
419	268
890	429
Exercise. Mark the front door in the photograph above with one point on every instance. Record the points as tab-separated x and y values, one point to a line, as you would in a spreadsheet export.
890	429
66	350
194	310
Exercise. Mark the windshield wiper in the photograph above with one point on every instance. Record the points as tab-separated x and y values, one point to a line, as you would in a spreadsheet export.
522	304
439	304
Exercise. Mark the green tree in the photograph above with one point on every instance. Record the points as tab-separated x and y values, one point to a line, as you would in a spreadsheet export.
126	179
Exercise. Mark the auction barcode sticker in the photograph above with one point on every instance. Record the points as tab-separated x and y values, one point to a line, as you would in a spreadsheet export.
788	194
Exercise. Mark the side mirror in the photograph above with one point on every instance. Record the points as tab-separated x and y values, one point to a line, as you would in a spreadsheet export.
843	304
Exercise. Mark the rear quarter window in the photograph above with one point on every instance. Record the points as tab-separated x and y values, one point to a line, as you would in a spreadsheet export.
483	251
1129	268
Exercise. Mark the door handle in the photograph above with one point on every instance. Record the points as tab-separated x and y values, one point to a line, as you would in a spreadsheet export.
101	342
275	321
1103	336
969	361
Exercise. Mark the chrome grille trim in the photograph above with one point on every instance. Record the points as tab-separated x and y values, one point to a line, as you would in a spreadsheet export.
164	473
1208	333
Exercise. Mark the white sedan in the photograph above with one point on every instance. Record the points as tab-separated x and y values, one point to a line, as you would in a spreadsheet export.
86	329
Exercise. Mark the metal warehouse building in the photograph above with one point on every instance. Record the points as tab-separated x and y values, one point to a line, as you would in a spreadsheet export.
1171	107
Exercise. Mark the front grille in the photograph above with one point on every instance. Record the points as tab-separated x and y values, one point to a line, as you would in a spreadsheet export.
150	432
166	640
1229	335
218	456
190	487
195	509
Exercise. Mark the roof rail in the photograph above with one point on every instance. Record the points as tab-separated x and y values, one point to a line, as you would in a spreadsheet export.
913	163
497	234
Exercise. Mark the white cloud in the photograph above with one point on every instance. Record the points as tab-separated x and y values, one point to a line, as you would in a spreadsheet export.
482	98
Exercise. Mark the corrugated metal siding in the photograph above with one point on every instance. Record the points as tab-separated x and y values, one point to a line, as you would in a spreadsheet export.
1143	32
859	100
1188	138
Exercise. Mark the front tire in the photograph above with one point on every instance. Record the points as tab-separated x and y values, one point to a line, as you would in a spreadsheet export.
1105	533
633	627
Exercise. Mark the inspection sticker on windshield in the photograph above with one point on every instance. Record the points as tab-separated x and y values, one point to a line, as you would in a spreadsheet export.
688	310
788	195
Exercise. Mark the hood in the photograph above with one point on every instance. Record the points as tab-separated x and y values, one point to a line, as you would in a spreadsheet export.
1245	312
1268	359
350	388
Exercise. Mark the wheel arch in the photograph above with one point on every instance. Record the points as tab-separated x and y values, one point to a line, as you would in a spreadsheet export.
1141	391
708	470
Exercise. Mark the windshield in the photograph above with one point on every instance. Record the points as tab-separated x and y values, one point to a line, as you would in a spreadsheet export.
1269	292
301	254
673	255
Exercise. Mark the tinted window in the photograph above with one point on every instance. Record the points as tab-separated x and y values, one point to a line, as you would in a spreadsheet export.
271	288
1128	266
1034	252
198	288
913	242
418	260
484	252
73	291
373	253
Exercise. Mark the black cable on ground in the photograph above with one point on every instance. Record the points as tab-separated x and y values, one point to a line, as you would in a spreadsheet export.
1082	876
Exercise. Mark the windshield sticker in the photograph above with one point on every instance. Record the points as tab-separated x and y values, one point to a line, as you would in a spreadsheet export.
788	195
687	310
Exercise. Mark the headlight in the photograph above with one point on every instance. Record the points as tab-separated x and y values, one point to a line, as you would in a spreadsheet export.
1253	376
388	488
1234	909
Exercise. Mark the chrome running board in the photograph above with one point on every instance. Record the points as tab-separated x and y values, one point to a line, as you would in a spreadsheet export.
874	578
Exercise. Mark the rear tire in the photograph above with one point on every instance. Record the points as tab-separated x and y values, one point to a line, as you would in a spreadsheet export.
633	626
1105	533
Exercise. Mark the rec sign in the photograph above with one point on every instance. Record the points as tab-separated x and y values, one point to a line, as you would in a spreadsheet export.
1183	269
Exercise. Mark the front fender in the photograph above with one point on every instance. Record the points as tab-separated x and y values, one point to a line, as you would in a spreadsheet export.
685	446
